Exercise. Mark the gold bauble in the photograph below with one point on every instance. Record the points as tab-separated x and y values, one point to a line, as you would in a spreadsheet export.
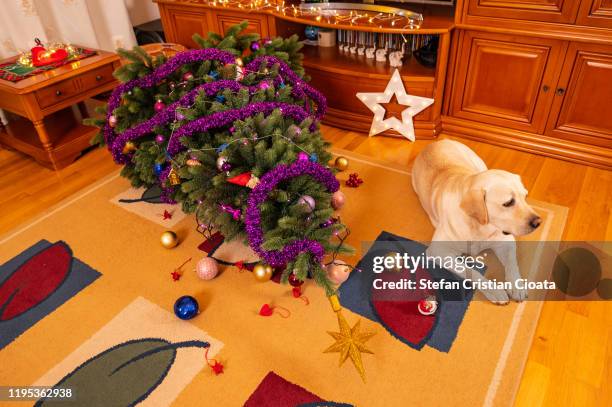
192	162
342	163
169	239
262	272
174	177
129	147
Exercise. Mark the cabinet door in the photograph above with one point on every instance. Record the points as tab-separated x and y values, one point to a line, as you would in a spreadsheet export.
554	11
181	22
258	23
582	109
506	80
595	13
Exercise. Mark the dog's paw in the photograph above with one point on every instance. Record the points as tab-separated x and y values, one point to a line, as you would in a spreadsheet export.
498	297
518	294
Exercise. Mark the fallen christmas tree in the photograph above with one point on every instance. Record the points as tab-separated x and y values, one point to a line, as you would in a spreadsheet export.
230	131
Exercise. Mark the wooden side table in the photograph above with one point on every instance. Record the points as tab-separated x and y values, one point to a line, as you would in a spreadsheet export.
47	127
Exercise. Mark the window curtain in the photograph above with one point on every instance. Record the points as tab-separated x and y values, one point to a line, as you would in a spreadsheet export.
102	24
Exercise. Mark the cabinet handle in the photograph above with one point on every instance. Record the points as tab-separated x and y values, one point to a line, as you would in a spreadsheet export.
560	91
58	93
98	78
545	88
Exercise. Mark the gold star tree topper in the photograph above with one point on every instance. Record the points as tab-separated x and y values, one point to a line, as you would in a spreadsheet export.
395	88
350	342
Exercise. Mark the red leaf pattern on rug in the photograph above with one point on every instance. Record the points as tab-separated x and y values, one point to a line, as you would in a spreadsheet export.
34	281
212	242
274	391
402	318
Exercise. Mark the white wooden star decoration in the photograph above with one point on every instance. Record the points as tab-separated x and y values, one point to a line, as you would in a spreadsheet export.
395	87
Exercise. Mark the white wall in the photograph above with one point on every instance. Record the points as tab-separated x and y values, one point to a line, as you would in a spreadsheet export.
142	11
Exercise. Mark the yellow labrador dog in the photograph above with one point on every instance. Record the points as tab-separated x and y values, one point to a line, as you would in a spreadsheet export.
473	209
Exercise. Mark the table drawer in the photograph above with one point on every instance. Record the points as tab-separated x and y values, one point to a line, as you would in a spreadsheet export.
64	90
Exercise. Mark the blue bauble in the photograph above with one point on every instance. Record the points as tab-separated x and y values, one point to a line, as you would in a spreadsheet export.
311	33
186	307
213	74
313	158
158	168
220	98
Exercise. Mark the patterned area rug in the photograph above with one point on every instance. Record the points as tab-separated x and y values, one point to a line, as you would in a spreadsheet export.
116	307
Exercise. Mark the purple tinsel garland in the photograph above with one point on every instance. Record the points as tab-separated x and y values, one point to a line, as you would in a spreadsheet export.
278	258
160	73
300	88
167	115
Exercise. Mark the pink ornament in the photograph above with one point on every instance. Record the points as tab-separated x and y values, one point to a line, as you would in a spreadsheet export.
207	268
159	139
187	76
159	106
338	200
264	85
302	156
112	121
338	272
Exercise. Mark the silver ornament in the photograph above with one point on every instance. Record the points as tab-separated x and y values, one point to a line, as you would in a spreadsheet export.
220	161
308	201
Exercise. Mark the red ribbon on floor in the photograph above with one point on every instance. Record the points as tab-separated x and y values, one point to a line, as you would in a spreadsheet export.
214	365
297	293
266	311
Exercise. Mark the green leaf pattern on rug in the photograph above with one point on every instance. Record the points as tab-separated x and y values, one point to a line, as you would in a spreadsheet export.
123	375
150	195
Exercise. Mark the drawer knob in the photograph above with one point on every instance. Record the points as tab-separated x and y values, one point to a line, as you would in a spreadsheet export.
545	88
560	91
58	93
99	77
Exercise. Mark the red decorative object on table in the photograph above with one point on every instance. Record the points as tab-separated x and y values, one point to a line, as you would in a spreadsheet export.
42	57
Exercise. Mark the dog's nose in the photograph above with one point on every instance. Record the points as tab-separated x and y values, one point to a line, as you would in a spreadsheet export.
535	222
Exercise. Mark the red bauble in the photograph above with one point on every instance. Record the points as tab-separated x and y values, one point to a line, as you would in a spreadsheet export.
428	306
294	281
241	179
159	106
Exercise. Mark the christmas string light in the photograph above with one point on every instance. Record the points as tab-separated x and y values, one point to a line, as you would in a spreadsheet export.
331	13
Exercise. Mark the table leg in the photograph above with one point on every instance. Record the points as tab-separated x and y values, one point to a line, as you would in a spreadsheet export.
45	140
83	110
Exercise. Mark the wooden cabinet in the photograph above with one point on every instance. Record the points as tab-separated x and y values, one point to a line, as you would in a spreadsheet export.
554	11
595	13
582	107
180	23
258	23
506	80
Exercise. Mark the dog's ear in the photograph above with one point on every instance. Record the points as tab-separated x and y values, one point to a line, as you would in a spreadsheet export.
474	204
